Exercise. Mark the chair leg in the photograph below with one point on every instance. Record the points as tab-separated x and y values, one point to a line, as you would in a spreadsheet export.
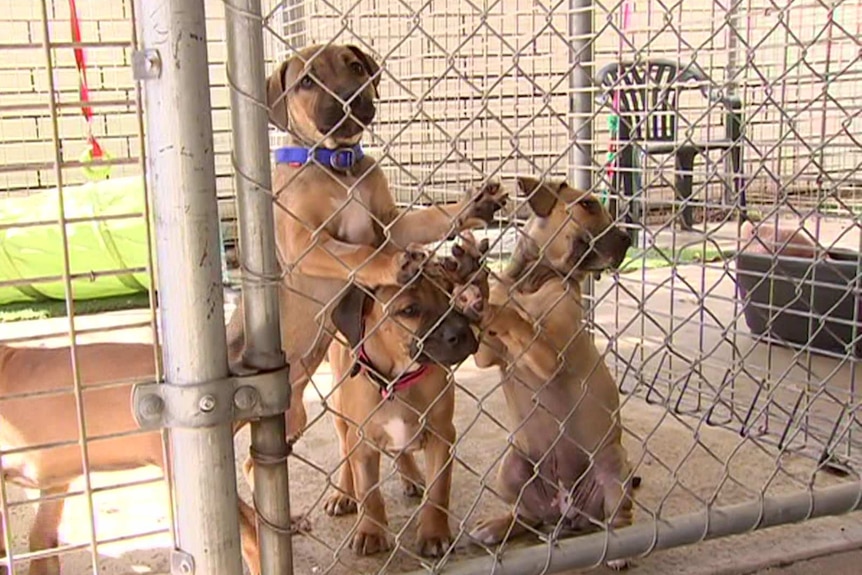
624	185
683	184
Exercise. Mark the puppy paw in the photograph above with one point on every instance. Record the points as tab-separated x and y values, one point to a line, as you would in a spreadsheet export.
340	504
491	531
299	524
482	204
412	489
618	564
434	541
470	299
466	258
370	541
409	263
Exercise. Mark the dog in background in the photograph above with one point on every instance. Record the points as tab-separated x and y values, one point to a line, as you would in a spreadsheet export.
47	415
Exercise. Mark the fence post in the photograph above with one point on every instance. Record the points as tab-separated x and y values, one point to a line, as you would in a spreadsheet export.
581	68
191	300
580	92
263	351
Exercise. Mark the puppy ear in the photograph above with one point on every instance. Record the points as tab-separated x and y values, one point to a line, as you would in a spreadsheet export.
348	315
370	65
542	196
276	99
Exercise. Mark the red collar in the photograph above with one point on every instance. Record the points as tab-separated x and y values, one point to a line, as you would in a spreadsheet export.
387	389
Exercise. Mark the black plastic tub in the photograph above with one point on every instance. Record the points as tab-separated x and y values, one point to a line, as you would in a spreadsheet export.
801	301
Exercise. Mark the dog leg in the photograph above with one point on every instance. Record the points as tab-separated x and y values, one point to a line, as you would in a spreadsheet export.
434	536
434	223
248	537
370	536
373	267
411	477
613	475
344	501
43	533
522	343
3	570
514	479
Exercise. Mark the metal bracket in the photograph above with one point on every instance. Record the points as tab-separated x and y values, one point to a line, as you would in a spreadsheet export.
182	563
146	64
236	398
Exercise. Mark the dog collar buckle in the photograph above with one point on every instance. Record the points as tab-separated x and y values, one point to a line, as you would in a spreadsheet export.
342	159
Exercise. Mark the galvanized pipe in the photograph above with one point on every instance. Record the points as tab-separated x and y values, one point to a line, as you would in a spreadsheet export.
648	536
581	68
263	351
183	185
581	92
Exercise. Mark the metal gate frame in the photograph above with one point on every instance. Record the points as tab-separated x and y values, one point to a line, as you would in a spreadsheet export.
173	66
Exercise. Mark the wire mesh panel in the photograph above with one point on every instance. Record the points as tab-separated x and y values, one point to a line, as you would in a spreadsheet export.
709	123
677	339
81	487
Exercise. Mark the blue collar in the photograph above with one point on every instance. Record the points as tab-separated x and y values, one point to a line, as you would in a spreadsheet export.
339	159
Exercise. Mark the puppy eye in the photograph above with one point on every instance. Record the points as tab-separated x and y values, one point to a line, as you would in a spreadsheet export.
357	68
590	204
411	310
306	82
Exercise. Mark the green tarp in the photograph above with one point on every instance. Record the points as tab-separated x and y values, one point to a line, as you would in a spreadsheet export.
30	253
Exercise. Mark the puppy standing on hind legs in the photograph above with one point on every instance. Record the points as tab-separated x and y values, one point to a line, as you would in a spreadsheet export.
336	221
558	380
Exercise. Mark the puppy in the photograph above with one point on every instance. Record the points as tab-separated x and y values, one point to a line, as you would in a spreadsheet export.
336	221
557	383
396	396
50	417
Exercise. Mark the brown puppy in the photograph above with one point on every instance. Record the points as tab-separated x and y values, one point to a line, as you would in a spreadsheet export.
396	396
339	223
50	418
584	477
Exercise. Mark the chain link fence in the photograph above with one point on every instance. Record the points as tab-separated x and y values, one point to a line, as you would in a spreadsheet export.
670	341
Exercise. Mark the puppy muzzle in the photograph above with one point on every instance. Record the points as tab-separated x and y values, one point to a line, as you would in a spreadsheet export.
450	342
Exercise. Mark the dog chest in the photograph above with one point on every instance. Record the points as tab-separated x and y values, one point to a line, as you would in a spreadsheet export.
398	434
355	224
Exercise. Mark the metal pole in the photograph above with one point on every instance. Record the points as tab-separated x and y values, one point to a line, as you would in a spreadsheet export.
581	69
640	539
191	299
247	79
732	67
581	92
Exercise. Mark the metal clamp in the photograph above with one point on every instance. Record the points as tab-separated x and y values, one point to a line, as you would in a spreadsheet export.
146	64
236	398
182	563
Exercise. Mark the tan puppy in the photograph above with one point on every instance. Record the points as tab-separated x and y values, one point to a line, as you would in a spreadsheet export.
396	396
339	223
51	418
559	378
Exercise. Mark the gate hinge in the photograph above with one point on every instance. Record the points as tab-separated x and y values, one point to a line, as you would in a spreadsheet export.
235	398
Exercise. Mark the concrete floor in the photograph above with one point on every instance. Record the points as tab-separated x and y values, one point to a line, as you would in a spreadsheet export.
685	463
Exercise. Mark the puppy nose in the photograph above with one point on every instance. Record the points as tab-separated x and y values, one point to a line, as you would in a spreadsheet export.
451	335
347	96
